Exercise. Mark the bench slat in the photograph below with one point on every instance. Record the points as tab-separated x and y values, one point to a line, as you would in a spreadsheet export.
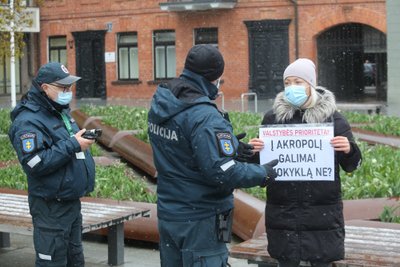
15	218
14	212
364	246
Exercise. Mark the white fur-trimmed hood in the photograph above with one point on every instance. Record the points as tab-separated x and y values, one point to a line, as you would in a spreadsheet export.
320	112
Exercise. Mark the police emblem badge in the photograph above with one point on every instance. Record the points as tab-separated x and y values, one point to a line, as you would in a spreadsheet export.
28	142
226	147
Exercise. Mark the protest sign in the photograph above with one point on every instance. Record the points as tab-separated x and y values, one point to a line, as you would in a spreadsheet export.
303	150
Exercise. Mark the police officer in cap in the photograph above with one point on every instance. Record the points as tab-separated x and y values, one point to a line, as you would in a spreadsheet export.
58	165
196	157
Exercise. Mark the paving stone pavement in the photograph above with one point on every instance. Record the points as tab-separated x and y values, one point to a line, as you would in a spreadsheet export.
137	254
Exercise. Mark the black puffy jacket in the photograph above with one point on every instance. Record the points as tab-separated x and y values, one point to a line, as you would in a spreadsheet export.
304	220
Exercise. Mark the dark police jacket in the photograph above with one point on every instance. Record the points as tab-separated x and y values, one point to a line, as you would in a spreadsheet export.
194	150
304	220
47	152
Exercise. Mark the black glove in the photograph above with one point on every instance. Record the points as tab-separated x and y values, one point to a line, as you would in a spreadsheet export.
245	151
271	173
225	115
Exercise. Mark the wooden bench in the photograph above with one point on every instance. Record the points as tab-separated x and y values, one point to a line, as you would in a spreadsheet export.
364	246
15	218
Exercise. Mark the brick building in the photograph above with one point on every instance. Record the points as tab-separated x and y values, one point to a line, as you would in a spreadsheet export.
124	48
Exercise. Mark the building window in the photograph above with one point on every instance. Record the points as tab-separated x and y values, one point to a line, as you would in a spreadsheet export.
128	62
5	76
58	49
164	55
206	36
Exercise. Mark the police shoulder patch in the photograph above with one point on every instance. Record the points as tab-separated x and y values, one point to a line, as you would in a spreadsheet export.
28	142
225	144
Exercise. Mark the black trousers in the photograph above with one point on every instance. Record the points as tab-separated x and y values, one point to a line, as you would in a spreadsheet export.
297	263
191	243
57	232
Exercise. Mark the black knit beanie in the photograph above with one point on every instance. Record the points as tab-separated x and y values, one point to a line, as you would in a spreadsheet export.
205	60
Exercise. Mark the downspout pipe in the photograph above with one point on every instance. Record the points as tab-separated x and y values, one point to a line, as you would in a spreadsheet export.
296	26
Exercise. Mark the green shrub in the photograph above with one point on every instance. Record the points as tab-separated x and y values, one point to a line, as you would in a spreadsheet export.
121	117
355	117
5	121
390	214
377	176
7	150
96	150
115	182
258	192
13	177
248	123
383	124
118	182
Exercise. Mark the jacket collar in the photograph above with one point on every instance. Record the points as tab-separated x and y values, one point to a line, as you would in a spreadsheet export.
207	88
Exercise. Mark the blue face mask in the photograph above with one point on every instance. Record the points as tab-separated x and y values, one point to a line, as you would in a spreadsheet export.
64	98
296	95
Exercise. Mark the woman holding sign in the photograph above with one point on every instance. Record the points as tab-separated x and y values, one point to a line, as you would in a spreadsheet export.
304	217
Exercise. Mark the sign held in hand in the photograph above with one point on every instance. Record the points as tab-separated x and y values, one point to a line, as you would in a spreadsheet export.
303	150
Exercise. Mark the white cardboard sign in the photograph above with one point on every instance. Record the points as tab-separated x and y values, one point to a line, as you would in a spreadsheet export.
303	150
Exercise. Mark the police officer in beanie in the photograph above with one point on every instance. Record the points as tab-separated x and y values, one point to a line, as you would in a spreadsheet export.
58	165
304	219
195	154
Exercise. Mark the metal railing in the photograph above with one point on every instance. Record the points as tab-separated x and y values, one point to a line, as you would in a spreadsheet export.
255	100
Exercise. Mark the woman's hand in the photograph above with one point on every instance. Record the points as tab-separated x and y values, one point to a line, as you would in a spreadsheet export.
341	143
257	143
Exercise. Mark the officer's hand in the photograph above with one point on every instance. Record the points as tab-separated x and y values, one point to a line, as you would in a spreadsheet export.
244	151
271	173
83	142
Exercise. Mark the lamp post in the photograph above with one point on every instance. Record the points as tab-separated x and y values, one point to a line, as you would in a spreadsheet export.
25	20
12	57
